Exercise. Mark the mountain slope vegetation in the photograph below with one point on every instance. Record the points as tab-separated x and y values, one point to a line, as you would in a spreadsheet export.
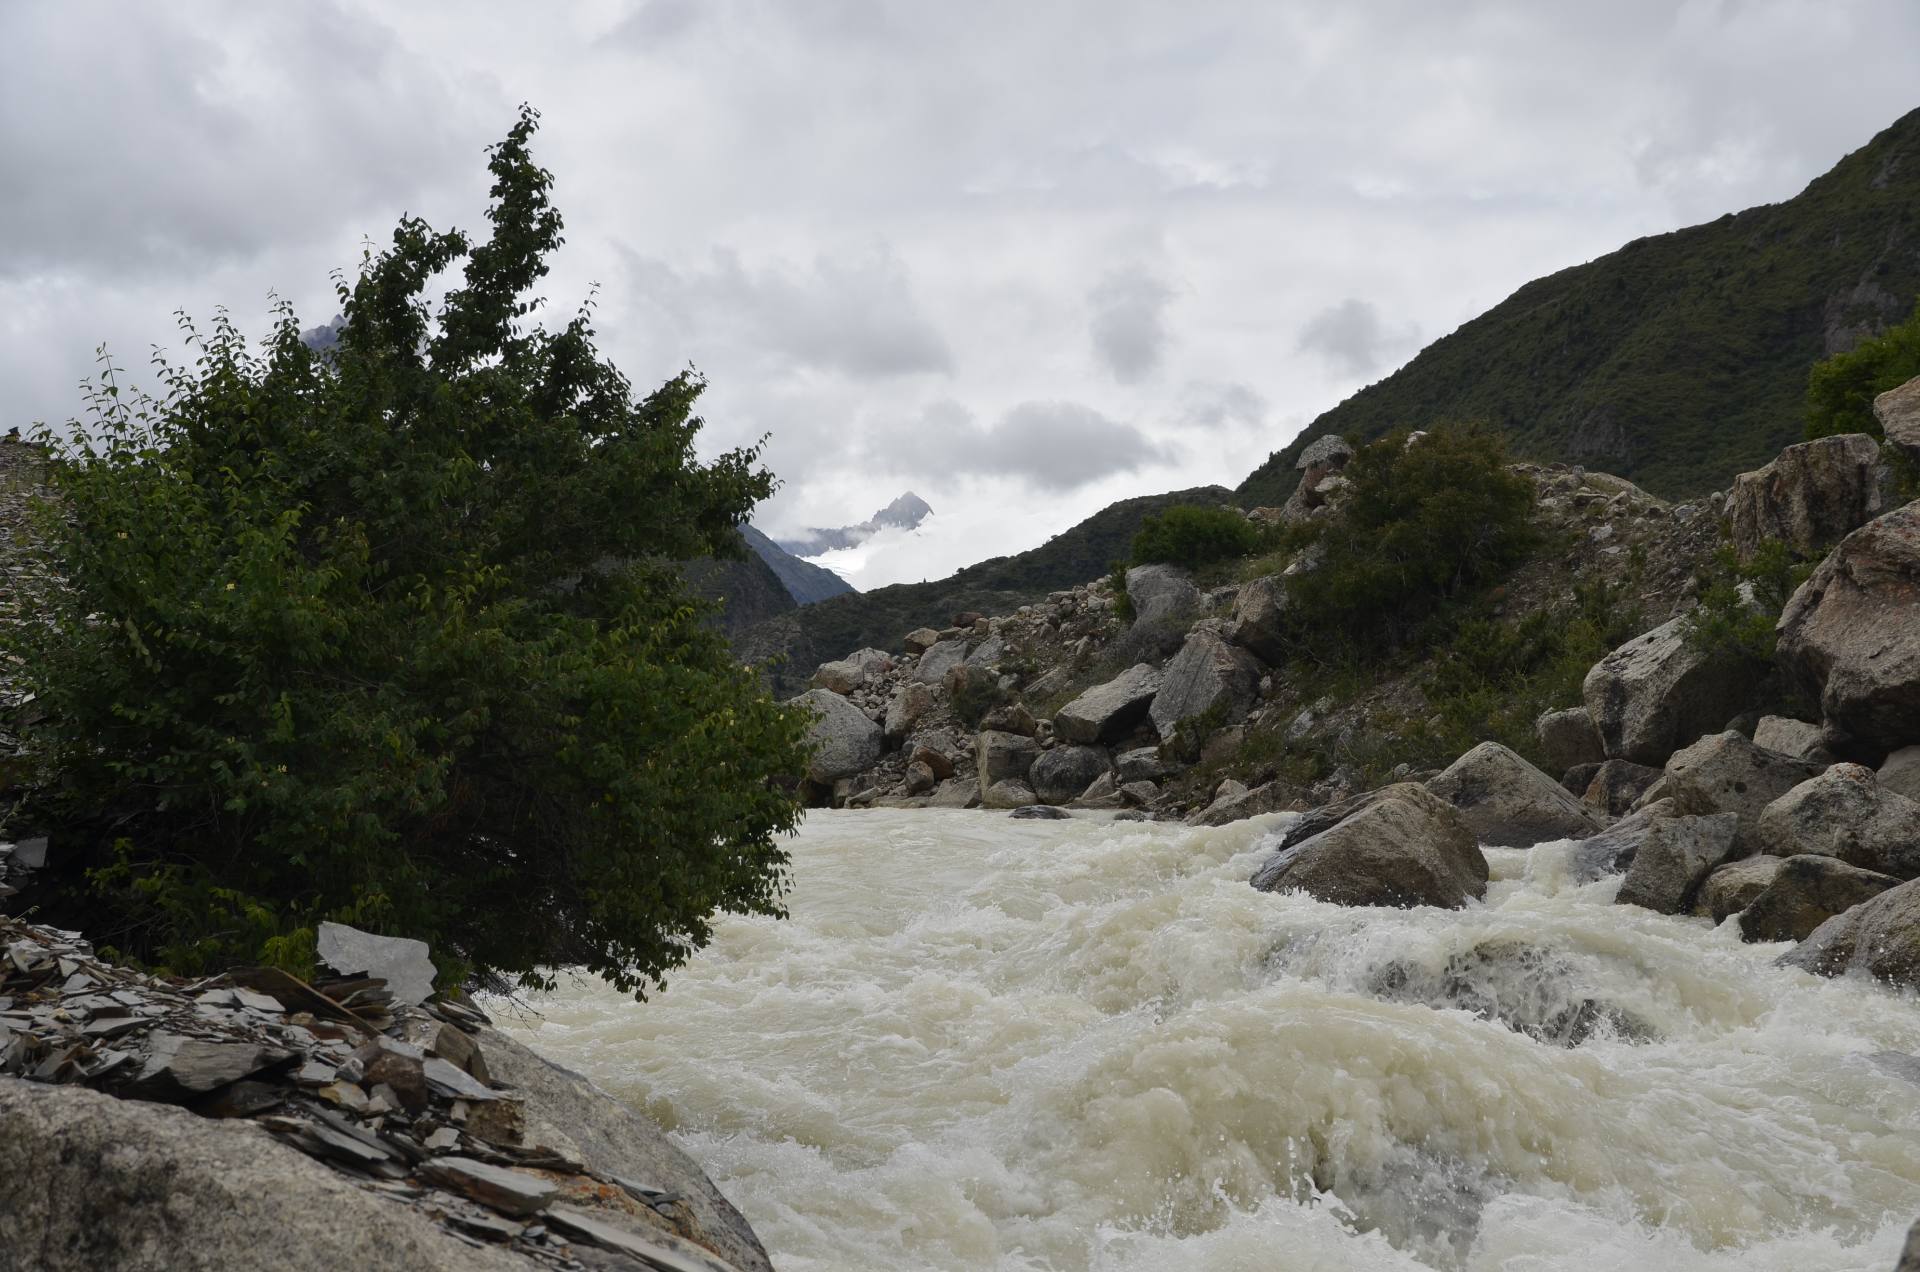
1680	359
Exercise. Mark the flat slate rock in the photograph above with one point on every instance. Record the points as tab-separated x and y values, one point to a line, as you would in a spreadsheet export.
404	964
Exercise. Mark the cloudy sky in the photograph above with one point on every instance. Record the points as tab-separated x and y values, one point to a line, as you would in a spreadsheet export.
1022	258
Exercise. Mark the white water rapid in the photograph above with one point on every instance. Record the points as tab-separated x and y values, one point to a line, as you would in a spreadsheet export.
981	1043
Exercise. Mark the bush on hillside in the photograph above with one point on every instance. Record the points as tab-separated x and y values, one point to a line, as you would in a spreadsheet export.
1192	535
1840	391
1426	520
391	636
1739	604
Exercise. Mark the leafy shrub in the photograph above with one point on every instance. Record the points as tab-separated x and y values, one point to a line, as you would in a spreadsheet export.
1194	534
389	636
1122	600
1424	522
1840	390
1739	604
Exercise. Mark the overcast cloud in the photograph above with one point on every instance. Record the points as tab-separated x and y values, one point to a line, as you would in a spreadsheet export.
1023	259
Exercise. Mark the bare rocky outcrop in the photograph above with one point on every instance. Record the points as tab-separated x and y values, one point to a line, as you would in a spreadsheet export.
1400	846
1656	693
1507	802
1844	813
1805	892
1810	495
1208	677
1106	712
1725	773
1898	411
1848	635
1259	618
1674	857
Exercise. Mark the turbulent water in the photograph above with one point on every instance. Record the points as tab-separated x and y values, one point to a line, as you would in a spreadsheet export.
986	1043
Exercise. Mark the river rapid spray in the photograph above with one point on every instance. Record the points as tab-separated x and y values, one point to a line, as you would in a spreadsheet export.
984	1043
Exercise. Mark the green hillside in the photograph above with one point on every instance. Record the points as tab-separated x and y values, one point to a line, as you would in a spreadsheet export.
817	633
1678	360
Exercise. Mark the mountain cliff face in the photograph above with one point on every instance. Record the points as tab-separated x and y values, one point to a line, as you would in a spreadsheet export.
904	513
804	581
1678	360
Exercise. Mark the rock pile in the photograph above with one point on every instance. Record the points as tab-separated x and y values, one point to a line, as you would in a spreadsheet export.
364	1073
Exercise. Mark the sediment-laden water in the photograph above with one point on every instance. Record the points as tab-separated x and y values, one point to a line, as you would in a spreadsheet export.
987	1043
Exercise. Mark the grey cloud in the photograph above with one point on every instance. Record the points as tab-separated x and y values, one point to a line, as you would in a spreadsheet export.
654	23
1051	445
1216	405
1352	336
1128	323
855	315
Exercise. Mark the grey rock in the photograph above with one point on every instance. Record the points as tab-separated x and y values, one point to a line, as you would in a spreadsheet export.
403	963
1011	717
1507	802
1675	856
1143	764
1065	772
1040	812
177	1067
656	1250
1910	1252
1568	738
1849	635
845	741
1008	793
31	853
1810	495
1207	675
1160	593
1329	452
1807	891
988	652
1725	773
1139	794
939	660
1105	713
1733	887
1898	411
920	778
911	703
1237	804
1797	738
1574	781
956	792
1399	846
1617	786
920	640
142	1187
1844	813
998	756
1901	772
1878	938
501	1188
1100	788
1657	692
841	677
1259	618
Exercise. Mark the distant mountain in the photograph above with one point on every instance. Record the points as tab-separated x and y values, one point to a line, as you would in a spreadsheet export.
804	581
814	634
749	591
904	513
1678	360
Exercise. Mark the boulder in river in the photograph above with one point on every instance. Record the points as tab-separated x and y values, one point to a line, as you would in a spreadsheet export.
1009	792
1617	785
1725	773
1656	693
1064	772
1845	813
844	740
1849	636
1507	802
1674	857
1805	892
1733	887
1106	712
998	756
1401	846
1880	938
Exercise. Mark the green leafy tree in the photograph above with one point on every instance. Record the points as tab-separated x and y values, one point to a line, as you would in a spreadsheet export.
392	635
1194	534
1840	391
1424	521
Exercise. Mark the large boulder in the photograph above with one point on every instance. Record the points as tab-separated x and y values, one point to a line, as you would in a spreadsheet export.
844	741
1207	675
1160	593
1656	693
1569	739
1880	938
1259	618
1063	773
1617	785
1509	803
1805	892
1725	773
998	756
1612	851
1844	813
1797	738
841	677
1735	886
1810	495
1009	792
920	640
1238	805
1898	411
1901	772
911	703
1401	845
1143	764
939	659
1674	857
1851	634
1106	713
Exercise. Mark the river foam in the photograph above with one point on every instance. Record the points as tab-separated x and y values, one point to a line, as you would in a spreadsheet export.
980	1043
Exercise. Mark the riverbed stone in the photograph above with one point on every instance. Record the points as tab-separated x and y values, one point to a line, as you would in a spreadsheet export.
1107	712
1725	773
1612	850
1399	846
1507	802
1805	892
1617	785
1008	793
1845	813
998	756
1878	938
1568	739
1733	887
956	792
1064	772
843	739
1657	692
1675	856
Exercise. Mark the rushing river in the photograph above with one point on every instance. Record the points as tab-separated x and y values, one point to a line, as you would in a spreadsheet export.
997	1044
